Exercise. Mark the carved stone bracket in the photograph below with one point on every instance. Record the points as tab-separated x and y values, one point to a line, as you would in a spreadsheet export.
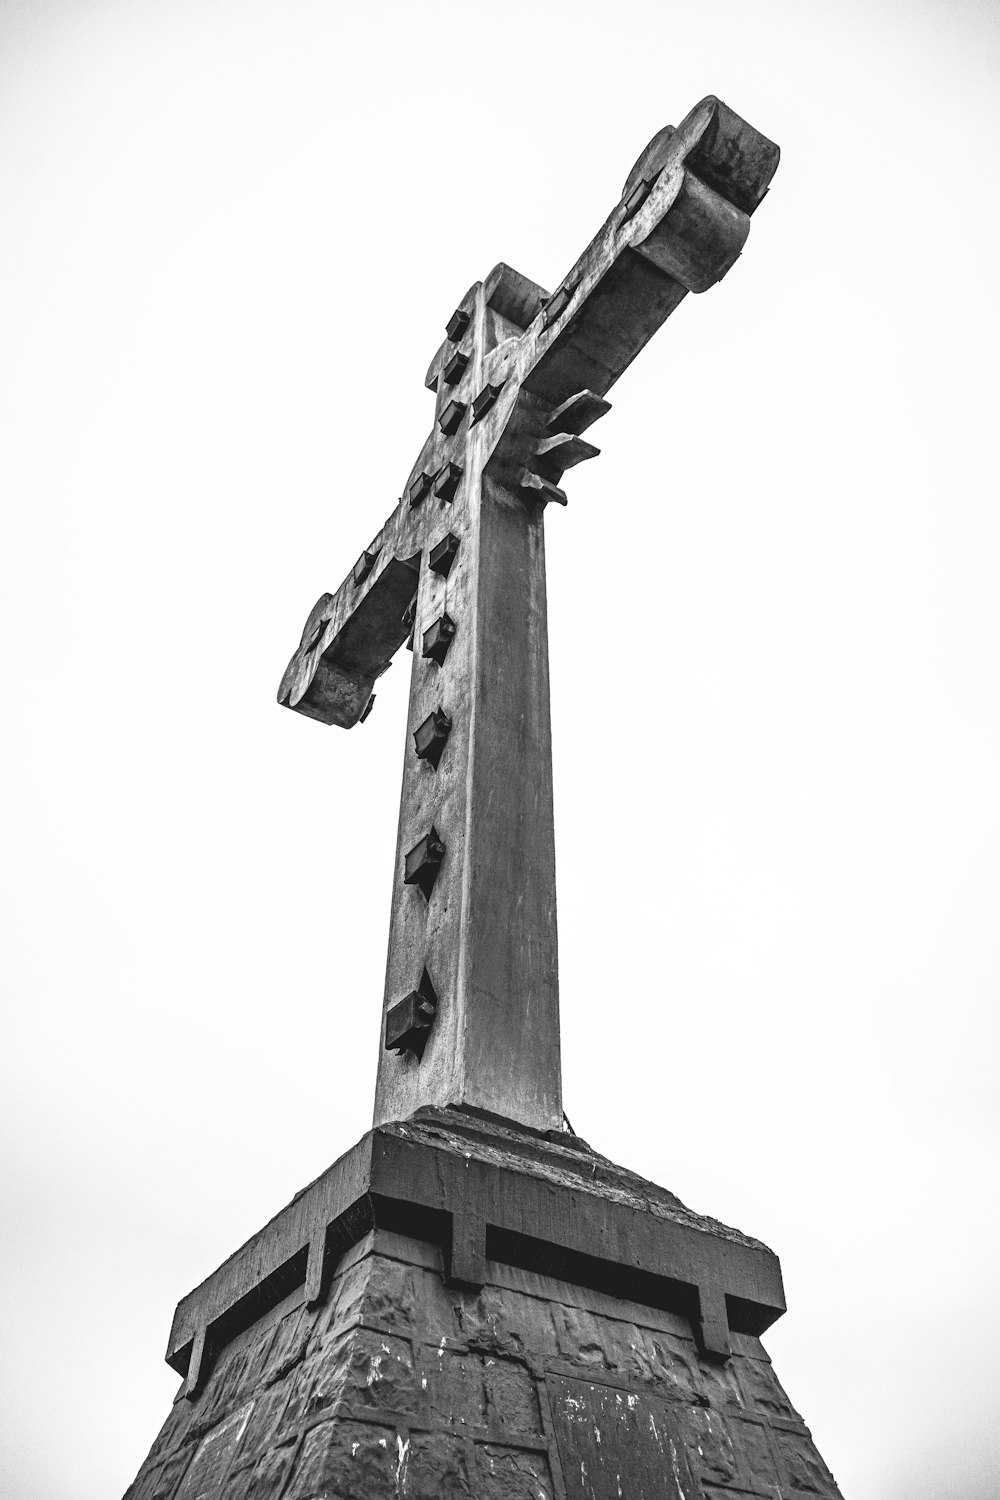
485	1189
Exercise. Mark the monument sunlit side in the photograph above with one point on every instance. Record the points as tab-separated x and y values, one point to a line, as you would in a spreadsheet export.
473	1302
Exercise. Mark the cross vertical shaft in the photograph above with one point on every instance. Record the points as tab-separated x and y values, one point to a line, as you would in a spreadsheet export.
486	932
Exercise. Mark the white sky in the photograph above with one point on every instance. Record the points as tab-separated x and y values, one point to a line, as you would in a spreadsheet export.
232	235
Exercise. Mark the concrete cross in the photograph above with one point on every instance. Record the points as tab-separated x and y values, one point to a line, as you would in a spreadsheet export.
471	1010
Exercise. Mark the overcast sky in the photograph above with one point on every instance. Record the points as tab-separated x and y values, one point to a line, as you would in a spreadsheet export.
232	235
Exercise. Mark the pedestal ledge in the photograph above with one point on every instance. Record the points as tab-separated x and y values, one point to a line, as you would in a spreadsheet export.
488	1189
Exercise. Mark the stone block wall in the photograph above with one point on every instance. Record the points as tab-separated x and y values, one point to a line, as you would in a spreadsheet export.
400	1388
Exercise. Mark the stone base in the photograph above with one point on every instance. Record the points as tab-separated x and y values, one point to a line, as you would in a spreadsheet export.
530	1389
383	1374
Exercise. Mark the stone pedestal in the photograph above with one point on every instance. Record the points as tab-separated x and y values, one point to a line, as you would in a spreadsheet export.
370	1344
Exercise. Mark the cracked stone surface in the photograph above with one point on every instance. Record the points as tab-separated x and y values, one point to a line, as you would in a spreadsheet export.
401	1387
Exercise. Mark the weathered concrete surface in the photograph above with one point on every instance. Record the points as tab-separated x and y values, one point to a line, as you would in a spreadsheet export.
526	1389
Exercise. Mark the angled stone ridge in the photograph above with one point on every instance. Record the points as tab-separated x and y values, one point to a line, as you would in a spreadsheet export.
563	1158
485	1189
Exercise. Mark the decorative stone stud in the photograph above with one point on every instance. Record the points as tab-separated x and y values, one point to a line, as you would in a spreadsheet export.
455	368
484	401
450	419
438	638
420	488
442	556
421	865
457	324
409	621
319	630
637	197
431	736
365	564
447	480
409	1021
558	303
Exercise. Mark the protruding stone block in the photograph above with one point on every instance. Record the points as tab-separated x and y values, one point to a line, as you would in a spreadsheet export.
485	401
437	638
558	303
457	324
442	555
455	368
711	1327
364	565
408	1022
431	736
420	488
451	418
421	865
447	481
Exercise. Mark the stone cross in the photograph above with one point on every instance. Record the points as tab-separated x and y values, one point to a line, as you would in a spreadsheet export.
471	1009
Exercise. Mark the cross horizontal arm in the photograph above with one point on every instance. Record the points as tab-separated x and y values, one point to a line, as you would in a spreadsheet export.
680	225
351	636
